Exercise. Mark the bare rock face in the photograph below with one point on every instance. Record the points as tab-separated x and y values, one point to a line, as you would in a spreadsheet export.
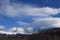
51	34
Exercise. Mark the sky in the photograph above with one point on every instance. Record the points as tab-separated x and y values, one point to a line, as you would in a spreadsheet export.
28	16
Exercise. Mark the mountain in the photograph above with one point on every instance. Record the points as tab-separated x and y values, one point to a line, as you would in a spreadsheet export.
51	34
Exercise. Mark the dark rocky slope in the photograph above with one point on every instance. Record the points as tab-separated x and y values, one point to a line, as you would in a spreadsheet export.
51	34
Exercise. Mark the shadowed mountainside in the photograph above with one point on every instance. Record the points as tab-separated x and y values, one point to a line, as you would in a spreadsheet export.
51	34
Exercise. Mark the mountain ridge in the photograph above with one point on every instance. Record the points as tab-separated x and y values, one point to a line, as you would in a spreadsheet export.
51	34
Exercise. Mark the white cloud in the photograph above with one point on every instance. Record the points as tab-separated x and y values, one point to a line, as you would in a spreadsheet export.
39	24
8	33
17	30
46	23
20	30
45	11
11	11
13	31
29	30
19	10
23	24
16	10
56	25
2	27
5	31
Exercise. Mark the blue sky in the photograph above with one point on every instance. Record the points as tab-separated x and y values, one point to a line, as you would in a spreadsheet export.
29	15
40	3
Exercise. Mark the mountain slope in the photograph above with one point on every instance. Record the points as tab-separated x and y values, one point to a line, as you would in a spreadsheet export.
51	34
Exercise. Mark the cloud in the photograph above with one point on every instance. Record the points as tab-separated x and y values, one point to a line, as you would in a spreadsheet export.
2	27
11	11
37	25
20	30
57	25
16	10
8	33
29	30
24	10
45	11
23	24
13	31
17	30
5	31
46	23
